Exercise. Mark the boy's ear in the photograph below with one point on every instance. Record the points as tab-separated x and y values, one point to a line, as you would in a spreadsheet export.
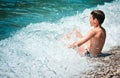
95	20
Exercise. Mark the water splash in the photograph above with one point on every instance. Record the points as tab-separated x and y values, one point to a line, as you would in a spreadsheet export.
36	52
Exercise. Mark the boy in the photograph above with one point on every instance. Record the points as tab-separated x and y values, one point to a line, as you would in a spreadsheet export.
95	38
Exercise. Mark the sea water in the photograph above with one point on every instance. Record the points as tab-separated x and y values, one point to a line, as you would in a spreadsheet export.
30	33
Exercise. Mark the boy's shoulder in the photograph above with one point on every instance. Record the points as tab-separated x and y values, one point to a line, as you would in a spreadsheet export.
99	29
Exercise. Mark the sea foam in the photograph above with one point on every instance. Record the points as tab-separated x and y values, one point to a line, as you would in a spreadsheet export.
37	52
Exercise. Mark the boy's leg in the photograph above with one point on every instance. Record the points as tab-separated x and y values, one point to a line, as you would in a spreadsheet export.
80	50
78	34
65	37
68	35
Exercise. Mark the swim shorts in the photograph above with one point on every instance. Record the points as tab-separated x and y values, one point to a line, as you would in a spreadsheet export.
87	53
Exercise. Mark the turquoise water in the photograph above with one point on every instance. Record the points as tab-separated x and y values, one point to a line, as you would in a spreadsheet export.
16	14
30	33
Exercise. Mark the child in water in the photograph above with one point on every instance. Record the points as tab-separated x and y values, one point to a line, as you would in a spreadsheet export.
94	40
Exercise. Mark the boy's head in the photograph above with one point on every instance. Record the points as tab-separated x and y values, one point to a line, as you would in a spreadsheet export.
99	15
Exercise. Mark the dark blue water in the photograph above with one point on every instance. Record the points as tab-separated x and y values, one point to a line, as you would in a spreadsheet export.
16	14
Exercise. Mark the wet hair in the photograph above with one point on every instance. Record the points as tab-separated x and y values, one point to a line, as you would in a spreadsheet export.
99	15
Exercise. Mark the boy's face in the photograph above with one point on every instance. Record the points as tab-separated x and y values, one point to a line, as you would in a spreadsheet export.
93	22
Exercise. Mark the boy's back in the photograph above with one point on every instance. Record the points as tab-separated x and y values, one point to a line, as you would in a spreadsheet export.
96	43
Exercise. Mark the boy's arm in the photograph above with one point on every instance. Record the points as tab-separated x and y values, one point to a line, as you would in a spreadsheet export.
84	39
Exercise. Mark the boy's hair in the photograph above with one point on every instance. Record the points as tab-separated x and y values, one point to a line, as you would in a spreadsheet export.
99	15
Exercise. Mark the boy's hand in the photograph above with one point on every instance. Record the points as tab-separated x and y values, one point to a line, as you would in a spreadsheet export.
74	45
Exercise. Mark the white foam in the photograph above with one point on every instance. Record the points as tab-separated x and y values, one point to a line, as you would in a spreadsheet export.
36	52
